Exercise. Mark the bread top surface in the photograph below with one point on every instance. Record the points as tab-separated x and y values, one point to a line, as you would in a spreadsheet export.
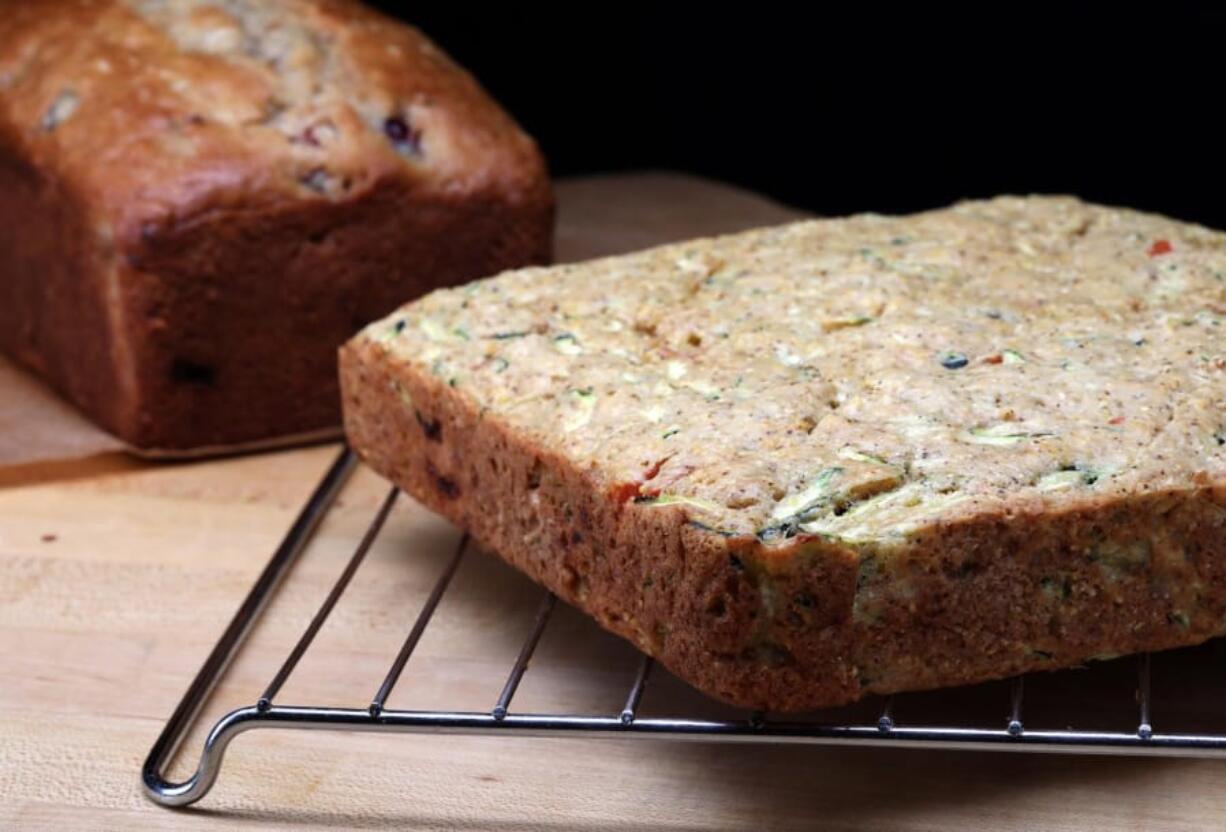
859	379
163	109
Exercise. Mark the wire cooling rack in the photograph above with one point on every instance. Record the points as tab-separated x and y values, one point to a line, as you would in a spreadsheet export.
1136	737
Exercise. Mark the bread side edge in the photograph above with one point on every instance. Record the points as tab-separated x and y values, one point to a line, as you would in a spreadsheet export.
710	608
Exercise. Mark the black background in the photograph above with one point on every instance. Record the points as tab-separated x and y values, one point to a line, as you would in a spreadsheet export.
868	106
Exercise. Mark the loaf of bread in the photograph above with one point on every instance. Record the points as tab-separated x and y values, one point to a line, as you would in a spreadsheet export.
200	200
838	457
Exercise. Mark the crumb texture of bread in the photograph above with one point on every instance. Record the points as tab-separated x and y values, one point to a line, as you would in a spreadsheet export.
201	199
865	455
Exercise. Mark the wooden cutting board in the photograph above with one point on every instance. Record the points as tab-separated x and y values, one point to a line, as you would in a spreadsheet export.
117	576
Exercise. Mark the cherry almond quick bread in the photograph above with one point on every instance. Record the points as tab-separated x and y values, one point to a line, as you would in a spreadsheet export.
803	464
199	201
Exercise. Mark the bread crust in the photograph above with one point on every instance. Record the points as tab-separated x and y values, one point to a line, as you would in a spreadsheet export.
545	431
189	235
809	624
689	598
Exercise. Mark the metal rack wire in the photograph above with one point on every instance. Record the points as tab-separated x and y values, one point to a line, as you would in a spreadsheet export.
1137	738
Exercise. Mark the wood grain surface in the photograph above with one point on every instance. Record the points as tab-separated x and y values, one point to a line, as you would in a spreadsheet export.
117	576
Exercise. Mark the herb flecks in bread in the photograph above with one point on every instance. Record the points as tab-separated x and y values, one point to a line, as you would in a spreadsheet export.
922	423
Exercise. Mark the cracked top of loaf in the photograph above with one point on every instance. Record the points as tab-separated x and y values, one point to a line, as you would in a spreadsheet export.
859	379
160	110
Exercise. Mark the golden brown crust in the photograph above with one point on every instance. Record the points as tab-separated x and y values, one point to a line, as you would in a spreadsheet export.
792	502
1004	594
688	597
201	201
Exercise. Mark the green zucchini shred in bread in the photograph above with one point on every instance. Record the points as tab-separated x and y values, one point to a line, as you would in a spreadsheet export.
974	441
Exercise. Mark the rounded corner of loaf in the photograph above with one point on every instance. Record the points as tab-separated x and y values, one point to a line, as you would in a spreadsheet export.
285	175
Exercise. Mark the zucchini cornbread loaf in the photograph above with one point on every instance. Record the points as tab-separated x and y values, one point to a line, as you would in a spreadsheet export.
838	457
201	199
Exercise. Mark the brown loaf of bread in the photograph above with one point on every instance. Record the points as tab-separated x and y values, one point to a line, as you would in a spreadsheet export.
839	457
200	200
